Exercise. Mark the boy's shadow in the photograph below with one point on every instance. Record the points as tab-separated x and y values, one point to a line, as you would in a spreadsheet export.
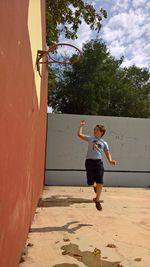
62	201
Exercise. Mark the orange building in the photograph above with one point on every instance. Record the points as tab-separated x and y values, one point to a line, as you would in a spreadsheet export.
23	105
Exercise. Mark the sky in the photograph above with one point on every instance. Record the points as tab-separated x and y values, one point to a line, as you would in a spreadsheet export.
126	31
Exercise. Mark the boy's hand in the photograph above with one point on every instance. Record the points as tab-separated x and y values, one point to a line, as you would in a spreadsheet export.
82	123
113	162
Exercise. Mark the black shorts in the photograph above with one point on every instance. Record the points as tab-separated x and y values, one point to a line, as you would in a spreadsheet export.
94	171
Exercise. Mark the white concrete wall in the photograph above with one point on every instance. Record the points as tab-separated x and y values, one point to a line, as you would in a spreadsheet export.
128	139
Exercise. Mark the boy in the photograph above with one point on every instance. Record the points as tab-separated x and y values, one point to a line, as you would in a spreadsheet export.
94	164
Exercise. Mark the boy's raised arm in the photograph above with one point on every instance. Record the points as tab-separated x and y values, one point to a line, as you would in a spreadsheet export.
79	133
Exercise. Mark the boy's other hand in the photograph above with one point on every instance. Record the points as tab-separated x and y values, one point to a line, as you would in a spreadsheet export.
113	162
82	123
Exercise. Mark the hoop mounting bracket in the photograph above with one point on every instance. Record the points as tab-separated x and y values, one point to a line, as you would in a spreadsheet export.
40	54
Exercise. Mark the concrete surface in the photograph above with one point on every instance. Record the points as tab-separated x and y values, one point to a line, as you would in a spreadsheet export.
68	231
129	144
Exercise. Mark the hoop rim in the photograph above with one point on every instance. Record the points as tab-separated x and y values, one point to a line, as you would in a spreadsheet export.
53	60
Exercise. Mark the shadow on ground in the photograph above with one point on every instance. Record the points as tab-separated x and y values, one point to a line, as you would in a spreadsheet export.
66	265
62	201
90	259
63	228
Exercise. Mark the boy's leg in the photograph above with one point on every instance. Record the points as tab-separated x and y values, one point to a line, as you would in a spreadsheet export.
98	191
89	172
97	199
94	187
99	171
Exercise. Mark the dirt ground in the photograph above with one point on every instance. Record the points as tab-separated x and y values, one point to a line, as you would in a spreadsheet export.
68	231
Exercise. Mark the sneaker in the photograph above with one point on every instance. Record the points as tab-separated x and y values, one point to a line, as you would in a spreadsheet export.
97	204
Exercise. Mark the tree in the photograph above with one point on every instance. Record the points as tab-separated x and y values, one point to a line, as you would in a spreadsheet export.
140	80
67	15
99	86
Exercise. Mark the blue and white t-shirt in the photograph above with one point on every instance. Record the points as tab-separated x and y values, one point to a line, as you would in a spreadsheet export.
94	153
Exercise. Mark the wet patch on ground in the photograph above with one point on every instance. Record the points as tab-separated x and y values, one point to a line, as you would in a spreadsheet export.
90	259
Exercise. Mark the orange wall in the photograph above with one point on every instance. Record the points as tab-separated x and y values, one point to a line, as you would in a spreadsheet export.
22	130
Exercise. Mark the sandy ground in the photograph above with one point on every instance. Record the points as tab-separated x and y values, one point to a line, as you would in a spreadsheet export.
68	231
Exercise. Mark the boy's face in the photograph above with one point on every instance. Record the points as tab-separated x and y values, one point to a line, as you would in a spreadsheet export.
97	132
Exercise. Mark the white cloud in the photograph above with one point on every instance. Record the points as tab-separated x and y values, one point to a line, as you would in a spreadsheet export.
84	34
112	34
93	3
126	22
117	49
127	32
49	109
121	5
137	3
147	6
138	60
138	54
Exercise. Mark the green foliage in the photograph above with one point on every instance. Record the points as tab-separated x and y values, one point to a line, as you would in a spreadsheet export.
51	81
99	86
67	15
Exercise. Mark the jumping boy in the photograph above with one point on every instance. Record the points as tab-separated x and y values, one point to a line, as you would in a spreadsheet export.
94	164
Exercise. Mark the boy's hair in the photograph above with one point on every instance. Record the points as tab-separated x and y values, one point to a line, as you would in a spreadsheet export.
101	128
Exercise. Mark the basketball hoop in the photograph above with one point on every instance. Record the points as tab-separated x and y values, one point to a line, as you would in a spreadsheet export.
74	55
